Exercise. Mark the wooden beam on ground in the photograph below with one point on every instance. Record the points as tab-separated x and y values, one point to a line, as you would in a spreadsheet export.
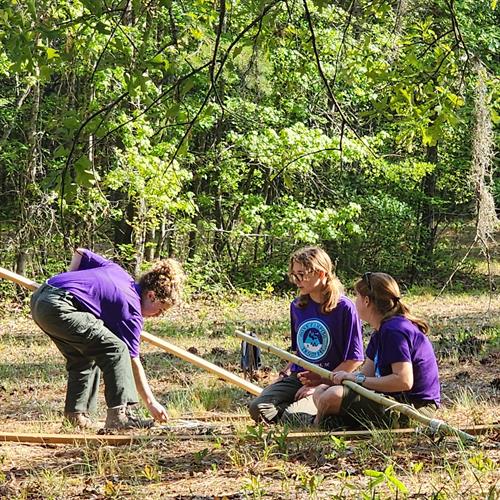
475	430
434	424
131	439
162	344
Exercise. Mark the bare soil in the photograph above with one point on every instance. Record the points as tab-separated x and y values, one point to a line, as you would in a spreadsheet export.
224	458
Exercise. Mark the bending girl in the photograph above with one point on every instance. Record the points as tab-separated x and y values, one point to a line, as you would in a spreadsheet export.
94	314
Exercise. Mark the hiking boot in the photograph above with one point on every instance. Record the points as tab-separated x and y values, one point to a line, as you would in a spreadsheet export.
123	418
78	419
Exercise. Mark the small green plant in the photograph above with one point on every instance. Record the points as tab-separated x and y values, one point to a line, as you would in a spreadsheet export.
111	490
343	477
417	467
255	432
239	457
482	463
253	487
200	455
309	482
151	473
266	439
339	447
387	477
281	440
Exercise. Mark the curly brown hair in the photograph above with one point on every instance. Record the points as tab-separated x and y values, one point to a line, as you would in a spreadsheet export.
165	279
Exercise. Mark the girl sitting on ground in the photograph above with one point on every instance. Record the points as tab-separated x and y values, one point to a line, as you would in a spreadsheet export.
325	330
400	362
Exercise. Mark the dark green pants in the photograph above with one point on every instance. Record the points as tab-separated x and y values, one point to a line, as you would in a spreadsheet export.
277	403
358	412
88	347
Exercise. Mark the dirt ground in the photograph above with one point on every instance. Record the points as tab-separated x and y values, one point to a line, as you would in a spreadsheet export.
225	457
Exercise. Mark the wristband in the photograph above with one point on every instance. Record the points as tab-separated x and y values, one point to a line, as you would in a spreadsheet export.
283	374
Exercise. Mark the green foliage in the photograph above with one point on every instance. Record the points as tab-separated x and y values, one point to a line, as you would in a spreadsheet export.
148	129
387	477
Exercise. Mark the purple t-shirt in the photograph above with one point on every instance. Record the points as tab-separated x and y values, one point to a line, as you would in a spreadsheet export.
107	291
399	340
326	339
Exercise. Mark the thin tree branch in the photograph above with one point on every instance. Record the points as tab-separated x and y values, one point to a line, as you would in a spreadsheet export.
331	95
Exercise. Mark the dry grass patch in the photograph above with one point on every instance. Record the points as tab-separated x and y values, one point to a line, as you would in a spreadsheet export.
249	462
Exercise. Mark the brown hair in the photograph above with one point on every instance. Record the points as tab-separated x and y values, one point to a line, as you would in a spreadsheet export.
316	259
383	291
165	279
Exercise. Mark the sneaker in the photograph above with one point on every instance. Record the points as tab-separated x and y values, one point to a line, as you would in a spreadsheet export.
78	419
123	418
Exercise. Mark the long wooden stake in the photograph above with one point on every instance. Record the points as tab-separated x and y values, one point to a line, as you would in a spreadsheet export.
162	344
435	425
130	439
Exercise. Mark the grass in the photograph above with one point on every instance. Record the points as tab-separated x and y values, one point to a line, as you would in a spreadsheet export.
241	460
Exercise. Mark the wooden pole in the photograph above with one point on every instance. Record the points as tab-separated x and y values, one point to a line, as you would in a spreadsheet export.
130	439
201	363
434	424
162	344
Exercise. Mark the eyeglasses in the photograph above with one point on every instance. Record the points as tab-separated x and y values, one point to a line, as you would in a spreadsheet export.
367	279
300	276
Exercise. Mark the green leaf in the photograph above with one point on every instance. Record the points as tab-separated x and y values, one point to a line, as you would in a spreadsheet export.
45	73
51	53
85	175
288	180
376	482
187	85
71	122
31	7
172	111
94	6
237	51
373	473
396	482
60	152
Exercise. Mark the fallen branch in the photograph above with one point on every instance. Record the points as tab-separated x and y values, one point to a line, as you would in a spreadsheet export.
161	343
434	424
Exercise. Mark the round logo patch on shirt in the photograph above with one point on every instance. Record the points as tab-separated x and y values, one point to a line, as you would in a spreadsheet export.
313	339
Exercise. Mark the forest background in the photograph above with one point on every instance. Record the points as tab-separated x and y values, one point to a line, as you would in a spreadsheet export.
229	133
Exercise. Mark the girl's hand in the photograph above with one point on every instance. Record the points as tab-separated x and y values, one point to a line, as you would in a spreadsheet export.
337	377
158	412
303	392
309	379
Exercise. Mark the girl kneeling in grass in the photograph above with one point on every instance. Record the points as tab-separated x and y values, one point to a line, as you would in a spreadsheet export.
400	361
325	330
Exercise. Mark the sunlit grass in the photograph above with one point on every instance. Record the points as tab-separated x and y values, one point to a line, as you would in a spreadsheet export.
252	461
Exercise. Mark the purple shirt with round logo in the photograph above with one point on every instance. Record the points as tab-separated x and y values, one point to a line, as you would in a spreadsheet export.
104	289
326	339
399	340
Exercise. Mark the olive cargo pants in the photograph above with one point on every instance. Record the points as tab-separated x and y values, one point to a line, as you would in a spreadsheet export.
88	347
277	403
